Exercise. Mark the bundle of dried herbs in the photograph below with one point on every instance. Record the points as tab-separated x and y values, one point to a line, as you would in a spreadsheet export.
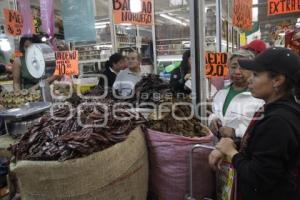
179	120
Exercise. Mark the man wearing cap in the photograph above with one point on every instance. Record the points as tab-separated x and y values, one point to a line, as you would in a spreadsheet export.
268	162
256	46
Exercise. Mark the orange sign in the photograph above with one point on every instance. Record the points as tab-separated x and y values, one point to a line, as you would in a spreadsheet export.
123	15
66	63
278	7
216	65
242	14
13	22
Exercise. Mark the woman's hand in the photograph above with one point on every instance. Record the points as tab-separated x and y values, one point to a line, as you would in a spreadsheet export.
227	132
227	147
187	77
215	159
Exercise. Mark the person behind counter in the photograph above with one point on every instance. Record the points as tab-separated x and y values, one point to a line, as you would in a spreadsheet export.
181	74
21	77
128	78
268	161
113	66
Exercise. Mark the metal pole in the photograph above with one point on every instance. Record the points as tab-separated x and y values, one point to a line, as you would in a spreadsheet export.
197	29
112	28
154	39
219	25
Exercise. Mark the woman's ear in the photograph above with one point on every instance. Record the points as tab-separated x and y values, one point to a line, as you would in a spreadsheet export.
279	80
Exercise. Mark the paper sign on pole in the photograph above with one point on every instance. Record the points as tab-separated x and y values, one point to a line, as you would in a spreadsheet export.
122	13
216	65
66	63
242	14
277	7
13	22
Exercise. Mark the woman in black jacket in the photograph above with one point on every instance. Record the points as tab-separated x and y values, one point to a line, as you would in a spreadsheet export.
112	67
181	74
267	163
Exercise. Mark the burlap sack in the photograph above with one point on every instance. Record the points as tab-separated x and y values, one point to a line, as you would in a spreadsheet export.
118	173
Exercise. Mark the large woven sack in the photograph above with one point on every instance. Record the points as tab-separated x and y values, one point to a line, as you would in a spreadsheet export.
118	173
169	167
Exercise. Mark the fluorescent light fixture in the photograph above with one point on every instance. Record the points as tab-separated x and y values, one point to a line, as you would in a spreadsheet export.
100	26
173	19
101	23
298	20
136	6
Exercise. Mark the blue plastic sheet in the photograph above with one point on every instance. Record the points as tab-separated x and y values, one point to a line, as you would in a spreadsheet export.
79	20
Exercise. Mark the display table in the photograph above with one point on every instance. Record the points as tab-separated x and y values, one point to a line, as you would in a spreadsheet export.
5	142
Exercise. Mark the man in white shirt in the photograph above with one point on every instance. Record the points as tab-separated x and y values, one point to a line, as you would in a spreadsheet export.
128	78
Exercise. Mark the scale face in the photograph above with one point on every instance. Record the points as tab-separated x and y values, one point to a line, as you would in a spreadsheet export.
35	61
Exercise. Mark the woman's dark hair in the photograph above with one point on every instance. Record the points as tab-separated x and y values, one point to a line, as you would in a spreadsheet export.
290	87
184	65
115	58
32	39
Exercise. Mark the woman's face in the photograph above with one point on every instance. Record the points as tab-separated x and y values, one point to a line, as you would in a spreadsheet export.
261	85
238	75
119	65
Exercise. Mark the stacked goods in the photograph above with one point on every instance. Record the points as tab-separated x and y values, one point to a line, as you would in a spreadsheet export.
152	89
187	126
18	98
61	137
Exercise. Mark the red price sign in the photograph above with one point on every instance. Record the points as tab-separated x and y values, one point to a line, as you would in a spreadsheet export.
13	22
66	63
216	65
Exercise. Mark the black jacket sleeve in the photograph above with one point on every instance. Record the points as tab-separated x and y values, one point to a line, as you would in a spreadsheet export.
264	165
2	68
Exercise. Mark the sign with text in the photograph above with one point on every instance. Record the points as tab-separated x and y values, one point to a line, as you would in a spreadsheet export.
123	15
216	65
278	7
66	63
13	22
242	14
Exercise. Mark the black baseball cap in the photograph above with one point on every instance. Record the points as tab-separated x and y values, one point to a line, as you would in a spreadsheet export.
275	59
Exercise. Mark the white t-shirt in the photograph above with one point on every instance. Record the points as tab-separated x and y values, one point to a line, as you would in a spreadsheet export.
125	82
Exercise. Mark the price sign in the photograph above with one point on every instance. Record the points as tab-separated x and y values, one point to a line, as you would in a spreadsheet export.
216	65
13	22
66	63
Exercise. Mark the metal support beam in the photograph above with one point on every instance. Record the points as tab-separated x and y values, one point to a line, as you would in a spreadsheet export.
197	31
154	40
112	28
219	25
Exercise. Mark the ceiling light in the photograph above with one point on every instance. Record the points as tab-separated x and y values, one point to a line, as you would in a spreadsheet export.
5	45
100	26
136	6
173	19
44	39
101	23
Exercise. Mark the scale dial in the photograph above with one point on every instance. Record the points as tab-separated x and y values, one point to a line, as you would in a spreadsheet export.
36	59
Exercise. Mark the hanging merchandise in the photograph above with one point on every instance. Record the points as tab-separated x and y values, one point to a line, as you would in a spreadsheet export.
24	7
47	16
242	14
13	22
79	20
135	12
278	7
292	40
